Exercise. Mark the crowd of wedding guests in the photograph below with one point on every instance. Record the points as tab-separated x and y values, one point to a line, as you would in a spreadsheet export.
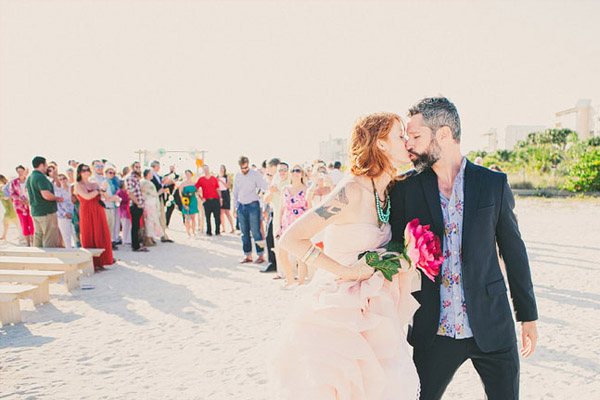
93	206
98	205
267	200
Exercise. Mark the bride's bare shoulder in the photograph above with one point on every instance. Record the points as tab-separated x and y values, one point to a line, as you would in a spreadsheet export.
342	200
351	188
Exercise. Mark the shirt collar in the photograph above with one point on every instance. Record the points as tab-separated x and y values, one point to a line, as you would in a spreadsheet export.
463	165
458	181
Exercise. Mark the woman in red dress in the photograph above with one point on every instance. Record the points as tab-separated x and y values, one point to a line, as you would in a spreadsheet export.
93	224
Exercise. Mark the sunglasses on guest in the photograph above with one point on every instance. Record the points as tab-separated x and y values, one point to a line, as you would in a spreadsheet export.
85	170
110	172
297	171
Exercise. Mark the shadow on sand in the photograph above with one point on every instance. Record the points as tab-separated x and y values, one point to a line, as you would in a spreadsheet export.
143	277
13	336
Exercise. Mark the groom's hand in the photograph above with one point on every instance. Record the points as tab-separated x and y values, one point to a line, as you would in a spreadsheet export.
529	336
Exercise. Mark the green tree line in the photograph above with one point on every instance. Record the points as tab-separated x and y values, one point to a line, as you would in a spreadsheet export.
554	158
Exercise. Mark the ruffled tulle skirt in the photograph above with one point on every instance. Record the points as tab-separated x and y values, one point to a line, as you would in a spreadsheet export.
347	341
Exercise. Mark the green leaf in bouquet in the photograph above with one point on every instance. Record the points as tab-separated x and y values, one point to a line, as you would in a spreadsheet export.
391	265
387	274
387	269
371	258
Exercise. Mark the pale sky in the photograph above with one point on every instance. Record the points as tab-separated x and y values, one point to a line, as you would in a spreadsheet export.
101	79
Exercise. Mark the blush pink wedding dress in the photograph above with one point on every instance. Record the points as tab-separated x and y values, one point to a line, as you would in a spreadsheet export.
347	341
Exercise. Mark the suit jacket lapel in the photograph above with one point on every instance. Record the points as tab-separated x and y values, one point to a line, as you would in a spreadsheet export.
432	196
472	183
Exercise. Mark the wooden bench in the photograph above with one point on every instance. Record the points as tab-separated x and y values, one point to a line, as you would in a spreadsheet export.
10	310
70	266
7	251
41	279
86	254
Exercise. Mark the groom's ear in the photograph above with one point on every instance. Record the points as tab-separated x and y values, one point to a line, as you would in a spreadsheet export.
444	133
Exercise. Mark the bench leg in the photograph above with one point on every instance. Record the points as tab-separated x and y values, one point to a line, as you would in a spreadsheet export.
42	294
10	312
89	269
72	279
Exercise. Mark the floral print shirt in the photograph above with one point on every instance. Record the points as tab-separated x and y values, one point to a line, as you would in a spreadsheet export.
454	321
19	196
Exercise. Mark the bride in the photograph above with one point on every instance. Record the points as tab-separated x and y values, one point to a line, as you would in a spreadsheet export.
345	339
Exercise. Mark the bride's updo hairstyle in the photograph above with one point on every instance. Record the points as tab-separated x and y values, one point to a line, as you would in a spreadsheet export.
366	158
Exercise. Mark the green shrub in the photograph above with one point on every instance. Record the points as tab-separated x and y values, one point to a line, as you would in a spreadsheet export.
551	159
594	142
584	173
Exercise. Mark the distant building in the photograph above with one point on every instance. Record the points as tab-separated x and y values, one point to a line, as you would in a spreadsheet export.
582	119
516	133
492	140
334	149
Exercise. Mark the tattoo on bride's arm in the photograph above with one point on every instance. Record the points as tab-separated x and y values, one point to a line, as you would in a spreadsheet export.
341	196
327	211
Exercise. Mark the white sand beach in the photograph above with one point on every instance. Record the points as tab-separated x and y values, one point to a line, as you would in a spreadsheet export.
186	321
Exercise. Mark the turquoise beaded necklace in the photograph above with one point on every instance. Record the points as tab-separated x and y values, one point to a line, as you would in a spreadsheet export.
383	213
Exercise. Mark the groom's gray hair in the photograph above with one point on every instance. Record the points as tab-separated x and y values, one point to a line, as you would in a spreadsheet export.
438	112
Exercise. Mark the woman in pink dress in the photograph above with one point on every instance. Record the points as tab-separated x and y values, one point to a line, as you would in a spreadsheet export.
124	213
295	201
344	340
294	205
20	199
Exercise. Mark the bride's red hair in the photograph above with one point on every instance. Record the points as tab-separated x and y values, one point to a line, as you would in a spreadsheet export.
366	158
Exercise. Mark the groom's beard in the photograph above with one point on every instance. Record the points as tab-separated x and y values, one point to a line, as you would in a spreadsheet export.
427	159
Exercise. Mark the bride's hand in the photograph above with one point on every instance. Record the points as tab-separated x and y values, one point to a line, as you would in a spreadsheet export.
405	266
359	271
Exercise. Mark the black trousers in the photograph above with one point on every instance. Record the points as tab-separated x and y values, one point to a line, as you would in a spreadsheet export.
436	365
213	207
168	212
271	244
136	215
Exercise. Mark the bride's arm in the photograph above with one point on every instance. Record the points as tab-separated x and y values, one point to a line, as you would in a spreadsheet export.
340	206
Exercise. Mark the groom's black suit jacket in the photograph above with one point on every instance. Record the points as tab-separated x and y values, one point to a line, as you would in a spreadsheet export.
488	219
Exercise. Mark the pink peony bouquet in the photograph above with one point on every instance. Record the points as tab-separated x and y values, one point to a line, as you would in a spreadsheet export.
422	250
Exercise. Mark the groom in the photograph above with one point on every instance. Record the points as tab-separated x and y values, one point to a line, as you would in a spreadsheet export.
465	313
